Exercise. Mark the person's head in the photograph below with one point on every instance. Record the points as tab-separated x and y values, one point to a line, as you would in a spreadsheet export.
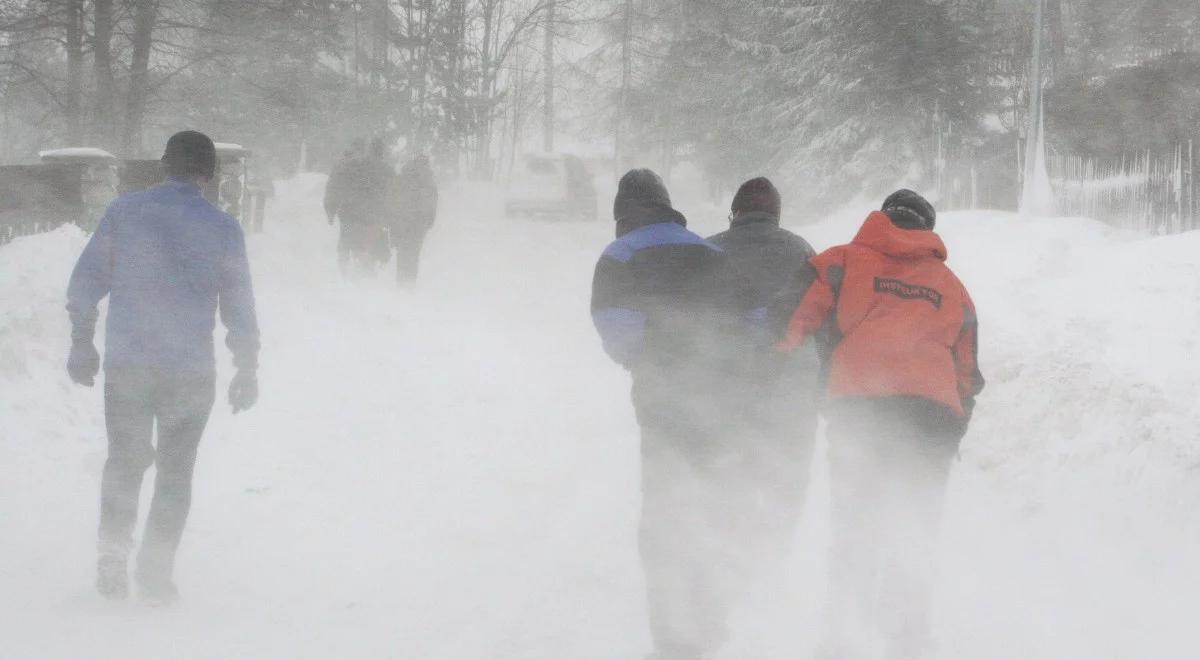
757	195
638	191
908	210
190	155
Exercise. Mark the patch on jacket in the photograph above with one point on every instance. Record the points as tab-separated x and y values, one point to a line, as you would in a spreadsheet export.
908	291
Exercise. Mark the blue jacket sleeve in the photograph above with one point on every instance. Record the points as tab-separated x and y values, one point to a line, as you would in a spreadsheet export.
236	303
619	322
621	332
91	279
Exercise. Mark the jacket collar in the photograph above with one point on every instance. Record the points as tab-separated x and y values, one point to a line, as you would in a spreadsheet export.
879	234
642	215
754	218
182	185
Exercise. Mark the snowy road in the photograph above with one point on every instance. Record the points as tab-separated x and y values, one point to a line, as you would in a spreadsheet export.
451	472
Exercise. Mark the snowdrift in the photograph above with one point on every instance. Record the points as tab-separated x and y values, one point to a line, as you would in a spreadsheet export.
451	472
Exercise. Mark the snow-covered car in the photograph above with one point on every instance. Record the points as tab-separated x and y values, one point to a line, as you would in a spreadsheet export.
231	177
551	186
238	193
37	198
98	181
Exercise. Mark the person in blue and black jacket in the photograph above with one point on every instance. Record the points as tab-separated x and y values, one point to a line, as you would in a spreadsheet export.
658	306
169	261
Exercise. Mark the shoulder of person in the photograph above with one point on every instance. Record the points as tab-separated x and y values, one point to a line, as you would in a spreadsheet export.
212	213
720	237
799	242
793	240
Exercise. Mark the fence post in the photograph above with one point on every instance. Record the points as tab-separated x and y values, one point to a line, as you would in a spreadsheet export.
1191	180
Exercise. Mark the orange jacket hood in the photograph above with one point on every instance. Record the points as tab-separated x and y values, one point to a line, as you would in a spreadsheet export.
879	234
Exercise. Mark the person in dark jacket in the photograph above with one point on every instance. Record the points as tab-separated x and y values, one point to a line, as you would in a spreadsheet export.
169	261
655	306
903	374
770	398
358	196
416	200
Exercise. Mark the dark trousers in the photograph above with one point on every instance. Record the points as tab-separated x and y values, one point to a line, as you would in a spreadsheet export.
364	244
686	540
773	433
687	537
889	461
408	243
135	401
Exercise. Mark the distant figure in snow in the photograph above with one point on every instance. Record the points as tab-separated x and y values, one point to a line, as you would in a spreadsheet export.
769	398
358	194
901	343
416	201
655	306
169	261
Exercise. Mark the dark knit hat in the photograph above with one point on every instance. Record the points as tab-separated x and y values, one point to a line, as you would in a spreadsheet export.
756	195
190	154
640	189
908	210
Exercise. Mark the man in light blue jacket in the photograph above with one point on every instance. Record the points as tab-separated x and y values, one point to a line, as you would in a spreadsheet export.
168	260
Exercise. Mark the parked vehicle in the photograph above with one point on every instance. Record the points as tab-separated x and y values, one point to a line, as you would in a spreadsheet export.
228	189
551	186
38	198
238	193
77	184
140	174
98	179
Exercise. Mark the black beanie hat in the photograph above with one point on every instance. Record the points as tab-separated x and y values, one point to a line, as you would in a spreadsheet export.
190	154
640	189
908	210
756	195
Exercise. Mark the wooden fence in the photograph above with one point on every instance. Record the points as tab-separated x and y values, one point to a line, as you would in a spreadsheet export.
1149	192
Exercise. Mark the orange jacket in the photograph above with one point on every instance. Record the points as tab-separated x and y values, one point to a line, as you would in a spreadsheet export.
902	324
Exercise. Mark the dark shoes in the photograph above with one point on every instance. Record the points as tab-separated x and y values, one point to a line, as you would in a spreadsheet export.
112	578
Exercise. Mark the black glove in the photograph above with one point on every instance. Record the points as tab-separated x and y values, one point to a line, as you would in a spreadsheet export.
83	363
243	390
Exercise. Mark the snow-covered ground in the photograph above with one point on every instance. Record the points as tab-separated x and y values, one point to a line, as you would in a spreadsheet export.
451	472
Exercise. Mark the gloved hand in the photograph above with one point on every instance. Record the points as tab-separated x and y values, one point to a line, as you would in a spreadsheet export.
243	390
83	363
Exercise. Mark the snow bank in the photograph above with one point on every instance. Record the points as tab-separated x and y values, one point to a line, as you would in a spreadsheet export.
451	472
76	153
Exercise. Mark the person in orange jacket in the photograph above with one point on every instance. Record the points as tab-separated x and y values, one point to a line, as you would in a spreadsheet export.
899	337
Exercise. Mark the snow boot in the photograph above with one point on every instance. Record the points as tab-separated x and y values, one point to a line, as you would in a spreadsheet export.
157	591
112	577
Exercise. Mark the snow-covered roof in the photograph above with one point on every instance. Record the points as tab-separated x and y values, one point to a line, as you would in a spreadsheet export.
76	154
230	149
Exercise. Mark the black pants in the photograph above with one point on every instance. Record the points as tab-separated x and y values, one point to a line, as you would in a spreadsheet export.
687	537
363	244
889	460
686	540
408	243
772	430
136	400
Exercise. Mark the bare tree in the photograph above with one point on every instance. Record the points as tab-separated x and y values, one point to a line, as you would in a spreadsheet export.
102	32
144	14
548	80
74	46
